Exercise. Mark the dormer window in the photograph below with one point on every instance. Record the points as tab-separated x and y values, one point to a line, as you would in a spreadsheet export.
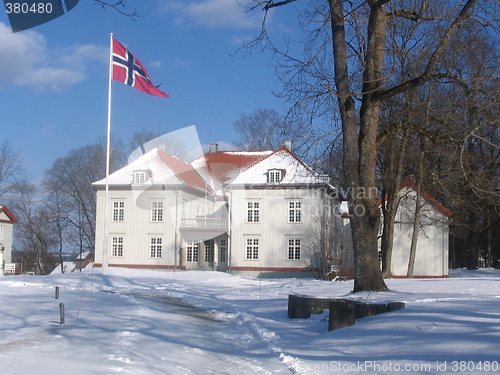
140	177
274	176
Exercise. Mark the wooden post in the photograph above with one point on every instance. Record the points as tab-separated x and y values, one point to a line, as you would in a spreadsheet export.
61	312
57	292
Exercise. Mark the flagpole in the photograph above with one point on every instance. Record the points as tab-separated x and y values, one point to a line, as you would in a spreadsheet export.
108	151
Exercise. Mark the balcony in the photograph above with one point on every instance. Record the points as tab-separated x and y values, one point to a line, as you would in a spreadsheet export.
204	223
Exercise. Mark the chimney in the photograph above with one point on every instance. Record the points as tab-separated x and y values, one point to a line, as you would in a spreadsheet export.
288	144
214	147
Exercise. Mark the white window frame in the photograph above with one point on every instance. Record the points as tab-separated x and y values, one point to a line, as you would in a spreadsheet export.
295	212
117	245
252	248
223	250
156	247
140	177
184	209
294	248
209	251
157	211
253	212
118	211
192	251
274	176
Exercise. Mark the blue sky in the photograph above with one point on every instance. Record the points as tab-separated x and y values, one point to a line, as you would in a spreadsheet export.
53	78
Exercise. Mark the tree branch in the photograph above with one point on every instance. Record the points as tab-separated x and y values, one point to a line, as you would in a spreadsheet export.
271	4
427	74
119	6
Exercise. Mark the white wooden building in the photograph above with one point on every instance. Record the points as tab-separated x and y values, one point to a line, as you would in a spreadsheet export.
242	212
7	221
431	258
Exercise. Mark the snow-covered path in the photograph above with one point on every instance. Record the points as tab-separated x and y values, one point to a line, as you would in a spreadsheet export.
130	333
138	322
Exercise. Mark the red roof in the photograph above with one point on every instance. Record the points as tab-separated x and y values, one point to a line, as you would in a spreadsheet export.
9	214
437	205
184	171
225	165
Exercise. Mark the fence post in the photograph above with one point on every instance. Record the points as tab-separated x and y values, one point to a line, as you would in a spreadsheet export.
57	292
61	312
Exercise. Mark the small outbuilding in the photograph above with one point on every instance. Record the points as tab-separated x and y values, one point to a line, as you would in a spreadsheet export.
431	255
7	221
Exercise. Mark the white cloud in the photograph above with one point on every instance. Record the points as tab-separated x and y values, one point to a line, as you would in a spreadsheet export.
78	56
51	79
25	60
155	64
212	13
183	63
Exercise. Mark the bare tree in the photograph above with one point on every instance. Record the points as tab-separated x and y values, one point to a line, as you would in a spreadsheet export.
359	73
319	248
70	178
59	208
463	165
139	139
35	234
453	118
11	169
391	162
146	139
262	130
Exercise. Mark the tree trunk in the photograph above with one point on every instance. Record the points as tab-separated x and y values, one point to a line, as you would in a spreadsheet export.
387	240
60	240
472	247
360	150
489	261
389	209
414	236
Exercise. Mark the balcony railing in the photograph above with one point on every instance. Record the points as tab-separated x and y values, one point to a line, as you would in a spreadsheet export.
204	222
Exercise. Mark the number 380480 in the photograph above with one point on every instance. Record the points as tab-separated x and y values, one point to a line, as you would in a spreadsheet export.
25	8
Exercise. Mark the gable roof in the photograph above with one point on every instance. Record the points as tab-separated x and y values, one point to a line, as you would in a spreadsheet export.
164	169
409	183
226	165
213	170
252	167
295	170
6	216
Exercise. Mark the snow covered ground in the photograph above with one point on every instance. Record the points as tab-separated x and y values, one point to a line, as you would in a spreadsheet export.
138	322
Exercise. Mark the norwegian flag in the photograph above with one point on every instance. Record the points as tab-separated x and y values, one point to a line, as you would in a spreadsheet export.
128	70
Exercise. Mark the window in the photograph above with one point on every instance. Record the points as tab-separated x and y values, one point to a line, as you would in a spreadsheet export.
118	211
157	211
155	247
223	251
294	212
192	251
293	248
209	251
184	208
140	177
274	176
253	212
117	246
252	250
